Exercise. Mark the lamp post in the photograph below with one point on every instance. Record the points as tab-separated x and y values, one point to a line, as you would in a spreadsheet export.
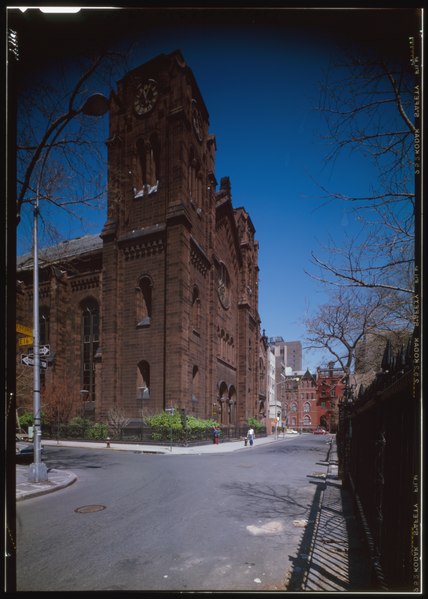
277	411
95	105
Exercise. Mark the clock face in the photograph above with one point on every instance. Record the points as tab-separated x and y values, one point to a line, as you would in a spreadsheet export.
146	96
197	120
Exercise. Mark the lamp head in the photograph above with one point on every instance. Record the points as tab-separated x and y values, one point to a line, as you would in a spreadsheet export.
95	105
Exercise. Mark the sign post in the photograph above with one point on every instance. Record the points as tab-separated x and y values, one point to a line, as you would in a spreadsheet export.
28	360
38	471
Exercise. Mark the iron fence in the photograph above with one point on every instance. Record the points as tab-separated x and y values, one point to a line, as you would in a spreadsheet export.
379	458
138	433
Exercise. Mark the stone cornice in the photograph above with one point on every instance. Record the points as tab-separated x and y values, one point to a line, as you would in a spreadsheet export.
199	258
86	282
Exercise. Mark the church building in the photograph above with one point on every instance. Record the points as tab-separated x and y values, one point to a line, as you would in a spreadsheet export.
160	309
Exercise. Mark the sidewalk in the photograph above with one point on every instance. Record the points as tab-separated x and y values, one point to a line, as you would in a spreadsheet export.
333	557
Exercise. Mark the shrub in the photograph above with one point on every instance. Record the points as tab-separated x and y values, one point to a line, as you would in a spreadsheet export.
98	431
78	427
26	419
164	423
255	424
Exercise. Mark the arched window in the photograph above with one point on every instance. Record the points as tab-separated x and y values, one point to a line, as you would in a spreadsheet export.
143	380
196	310
146	163
143	302
142	161
89	346
194	180
155	158
306	420
195	383
307	407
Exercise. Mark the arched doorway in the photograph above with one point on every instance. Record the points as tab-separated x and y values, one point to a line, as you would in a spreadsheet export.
222	403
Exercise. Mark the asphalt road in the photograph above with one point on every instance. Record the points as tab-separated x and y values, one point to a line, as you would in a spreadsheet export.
135	521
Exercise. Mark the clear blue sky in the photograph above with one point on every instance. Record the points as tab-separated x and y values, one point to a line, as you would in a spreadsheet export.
261	86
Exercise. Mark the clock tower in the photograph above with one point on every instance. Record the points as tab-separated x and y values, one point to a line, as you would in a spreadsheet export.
160	219
160	310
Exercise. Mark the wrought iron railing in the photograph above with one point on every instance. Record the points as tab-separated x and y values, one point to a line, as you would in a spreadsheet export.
379	458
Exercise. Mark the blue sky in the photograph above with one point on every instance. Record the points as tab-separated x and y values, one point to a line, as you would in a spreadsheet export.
261	85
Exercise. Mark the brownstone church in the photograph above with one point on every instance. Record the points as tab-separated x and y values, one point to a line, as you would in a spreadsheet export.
160	309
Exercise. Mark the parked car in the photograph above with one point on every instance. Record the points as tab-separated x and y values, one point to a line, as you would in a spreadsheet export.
291	431
320	431
24	451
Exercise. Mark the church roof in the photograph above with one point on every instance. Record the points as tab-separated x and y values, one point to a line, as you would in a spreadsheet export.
63	251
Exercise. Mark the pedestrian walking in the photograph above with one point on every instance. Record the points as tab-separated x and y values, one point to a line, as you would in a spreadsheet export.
251	436
216	435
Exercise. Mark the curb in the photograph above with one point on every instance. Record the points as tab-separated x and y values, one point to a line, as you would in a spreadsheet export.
59	479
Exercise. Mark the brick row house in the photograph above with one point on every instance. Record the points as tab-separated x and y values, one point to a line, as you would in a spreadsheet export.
312	400
161	308
331	384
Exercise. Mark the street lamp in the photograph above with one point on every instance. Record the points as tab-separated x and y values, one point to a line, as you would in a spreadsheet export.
95	105
277	411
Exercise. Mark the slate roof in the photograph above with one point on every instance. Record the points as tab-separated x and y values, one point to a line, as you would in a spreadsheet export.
63	251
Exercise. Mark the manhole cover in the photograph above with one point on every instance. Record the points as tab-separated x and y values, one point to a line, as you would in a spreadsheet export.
87	509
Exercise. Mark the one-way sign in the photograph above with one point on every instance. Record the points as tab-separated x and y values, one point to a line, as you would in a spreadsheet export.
44	350
29	361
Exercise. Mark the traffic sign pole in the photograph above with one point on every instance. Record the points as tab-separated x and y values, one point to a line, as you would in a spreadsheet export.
38	471
28	360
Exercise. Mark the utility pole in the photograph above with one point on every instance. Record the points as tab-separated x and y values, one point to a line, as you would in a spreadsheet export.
38	471
95	105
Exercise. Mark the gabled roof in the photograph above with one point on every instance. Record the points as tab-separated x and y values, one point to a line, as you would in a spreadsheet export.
308	375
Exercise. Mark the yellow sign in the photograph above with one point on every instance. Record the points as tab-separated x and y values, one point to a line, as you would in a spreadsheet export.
20	328
25	341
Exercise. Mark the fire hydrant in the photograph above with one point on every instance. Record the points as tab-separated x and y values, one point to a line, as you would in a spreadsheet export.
246	441
108	441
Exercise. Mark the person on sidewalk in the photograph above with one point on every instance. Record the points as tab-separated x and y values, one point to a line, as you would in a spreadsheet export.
216	435
251	436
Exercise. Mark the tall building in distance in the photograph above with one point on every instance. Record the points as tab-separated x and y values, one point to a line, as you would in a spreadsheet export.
287	352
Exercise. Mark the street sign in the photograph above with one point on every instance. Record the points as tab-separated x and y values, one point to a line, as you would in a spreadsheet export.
25	341
43	351
20	328
29	361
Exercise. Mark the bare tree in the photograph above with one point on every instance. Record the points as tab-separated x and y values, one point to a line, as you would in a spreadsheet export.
24	386
117	421
59	402
61	154
369	109
340	325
